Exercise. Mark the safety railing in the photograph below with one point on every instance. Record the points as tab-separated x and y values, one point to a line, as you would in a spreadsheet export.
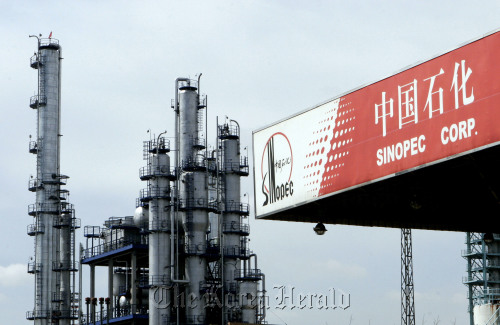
202	100
48	42
37	101
236	228
188	84
236	252
156	192
155	280
38	314
92	231
35	62
119	222
226	131
112	313
488	295
148	172
110	246
241	168
237	207
33	147
34	184
247	274
198	204
34	229
478	252
47	208
65	266
34	267
73	223
157	225
197	163
198	142
195	249
155	146
479	278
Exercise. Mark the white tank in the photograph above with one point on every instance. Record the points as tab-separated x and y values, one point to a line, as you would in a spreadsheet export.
249	301
124	302
141	216
483	313
119	282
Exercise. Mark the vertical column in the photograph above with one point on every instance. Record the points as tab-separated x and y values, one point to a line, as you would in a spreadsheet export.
92	288
158	197
193	190
47	187
133	282
231	219
110	283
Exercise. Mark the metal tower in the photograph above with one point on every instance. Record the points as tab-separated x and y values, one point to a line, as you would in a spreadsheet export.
54	222
483	277
407	288
183	258
158	197
194	205
238	276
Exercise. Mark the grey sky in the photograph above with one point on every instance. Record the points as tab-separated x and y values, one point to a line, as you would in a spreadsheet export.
261	61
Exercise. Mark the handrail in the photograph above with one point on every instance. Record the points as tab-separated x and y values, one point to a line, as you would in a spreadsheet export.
189	204
34	229
115	312
58	266
156	192
50	208
227	130
109	246
237	207
48	41
74	223
38	100
159	171
153	145
235	227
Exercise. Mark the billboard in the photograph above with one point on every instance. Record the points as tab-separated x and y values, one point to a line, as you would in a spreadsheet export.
426	114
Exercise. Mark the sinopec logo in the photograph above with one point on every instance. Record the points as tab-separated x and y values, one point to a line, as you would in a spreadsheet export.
276	169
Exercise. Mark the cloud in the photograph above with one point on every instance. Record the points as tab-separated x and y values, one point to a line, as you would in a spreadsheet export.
14	275
344	270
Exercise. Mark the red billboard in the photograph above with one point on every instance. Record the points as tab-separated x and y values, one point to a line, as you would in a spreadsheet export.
444	107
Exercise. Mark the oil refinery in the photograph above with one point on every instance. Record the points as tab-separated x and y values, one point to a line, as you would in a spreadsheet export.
182	258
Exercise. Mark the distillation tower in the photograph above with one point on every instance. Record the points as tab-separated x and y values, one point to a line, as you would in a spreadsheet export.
54	223
183	258
483	277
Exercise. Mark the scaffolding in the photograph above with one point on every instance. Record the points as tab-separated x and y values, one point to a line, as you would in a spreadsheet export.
483	277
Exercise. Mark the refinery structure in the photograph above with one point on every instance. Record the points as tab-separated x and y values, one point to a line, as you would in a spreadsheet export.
483	277
54	223
182	258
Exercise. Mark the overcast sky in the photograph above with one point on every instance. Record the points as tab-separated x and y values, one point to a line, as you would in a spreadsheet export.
261	61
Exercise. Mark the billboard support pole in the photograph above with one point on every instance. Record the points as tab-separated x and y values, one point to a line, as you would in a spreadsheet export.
407	288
